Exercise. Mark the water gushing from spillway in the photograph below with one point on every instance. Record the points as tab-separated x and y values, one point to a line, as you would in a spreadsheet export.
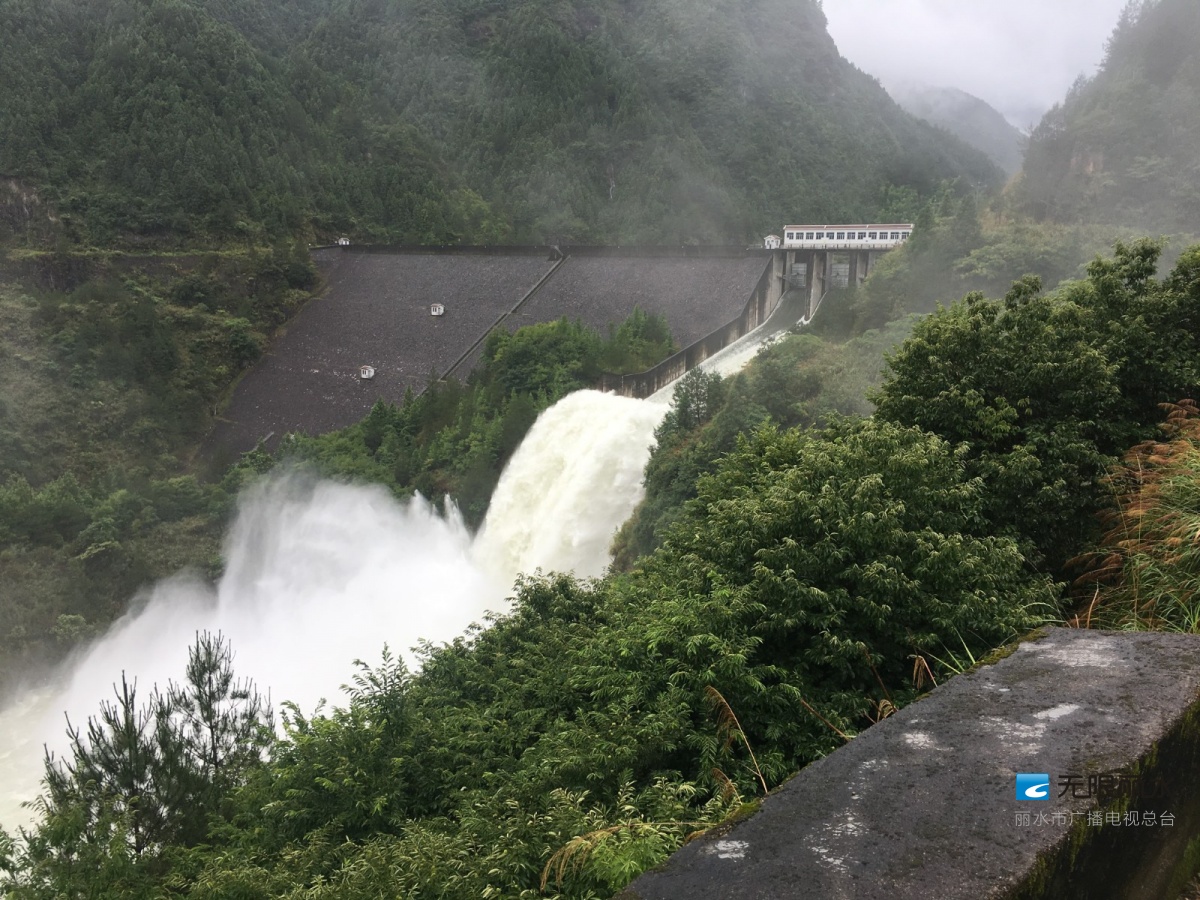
320	574
573	481
792	311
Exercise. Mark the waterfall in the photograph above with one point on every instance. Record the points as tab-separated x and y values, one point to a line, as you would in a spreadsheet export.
574	480
320	574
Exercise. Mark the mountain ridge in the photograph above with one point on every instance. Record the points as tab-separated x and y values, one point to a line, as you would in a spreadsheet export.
1121	149
969	118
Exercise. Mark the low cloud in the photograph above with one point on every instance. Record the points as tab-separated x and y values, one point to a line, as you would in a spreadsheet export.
1020	56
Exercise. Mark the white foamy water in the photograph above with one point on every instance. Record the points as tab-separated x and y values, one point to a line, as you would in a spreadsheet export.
573	481
319	574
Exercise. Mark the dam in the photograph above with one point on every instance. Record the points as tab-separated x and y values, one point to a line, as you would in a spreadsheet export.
375	311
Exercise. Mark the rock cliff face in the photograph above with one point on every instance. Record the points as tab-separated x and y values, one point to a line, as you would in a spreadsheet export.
1087	162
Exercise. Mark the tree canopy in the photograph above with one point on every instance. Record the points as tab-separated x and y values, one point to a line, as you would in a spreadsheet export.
782	614
1047	391
446	121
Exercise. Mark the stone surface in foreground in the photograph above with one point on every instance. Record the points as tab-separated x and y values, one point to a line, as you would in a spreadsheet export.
925	804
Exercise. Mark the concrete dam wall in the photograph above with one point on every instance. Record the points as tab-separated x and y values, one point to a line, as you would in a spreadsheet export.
375	311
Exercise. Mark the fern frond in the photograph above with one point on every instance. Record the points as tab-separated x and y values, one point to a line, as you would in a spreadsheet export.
573	856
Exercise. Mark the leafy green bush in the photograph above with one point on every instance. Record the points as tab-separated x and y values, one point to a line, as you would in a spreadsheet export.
143	778
1046	392
574	741
797	381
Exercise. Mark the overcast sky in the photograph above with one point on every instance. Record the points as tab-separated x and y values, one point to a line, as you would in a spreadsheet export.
1020	56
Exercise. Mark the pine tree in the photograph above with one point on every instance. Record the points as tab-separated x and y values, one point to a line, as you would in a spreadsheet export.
141	777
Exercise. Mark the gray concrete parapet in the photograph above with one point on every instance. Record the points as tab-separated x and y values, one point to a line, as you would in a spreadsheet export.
925	804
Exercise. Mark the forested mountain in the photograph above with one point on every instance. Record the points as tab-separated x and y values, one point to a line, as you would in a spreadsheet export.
448	120
968	118
1124	147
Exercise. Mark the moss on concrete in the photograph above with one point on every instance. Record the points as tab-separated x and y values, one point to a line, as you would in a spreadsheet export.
1008	649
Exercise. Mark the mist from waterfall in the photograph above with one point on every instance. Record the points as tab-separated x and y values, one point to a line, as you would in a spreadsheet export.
319	574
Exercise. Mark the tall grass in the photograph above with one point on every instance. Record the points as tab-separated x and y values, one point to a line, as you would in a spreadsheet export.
1146	576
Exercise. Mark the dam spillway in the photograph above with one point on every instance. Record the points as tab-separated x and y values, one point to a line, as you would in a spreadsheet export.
375	310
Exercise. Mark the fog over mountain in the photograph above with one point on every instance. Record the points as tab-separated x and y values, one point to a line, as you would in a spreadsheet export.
1121	148
968	118
670	605
1020	56
447	122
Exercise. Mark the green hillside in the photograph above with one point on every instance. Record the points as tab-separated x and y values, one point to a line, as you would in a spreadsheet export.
866	511
1124	147
172	121
805	583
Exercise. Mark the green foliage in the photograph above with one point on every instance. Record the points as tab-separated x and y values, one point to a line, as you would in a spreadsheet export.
71	556
959	246
797	381
1122	147
549	357
1047	391
574	741
964	242
640	338
834	542
105	387
1019	247
247	137
140	780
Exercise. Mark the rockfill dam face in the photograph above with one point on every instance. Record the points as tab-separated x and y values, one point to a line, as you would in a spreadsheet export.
375	311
